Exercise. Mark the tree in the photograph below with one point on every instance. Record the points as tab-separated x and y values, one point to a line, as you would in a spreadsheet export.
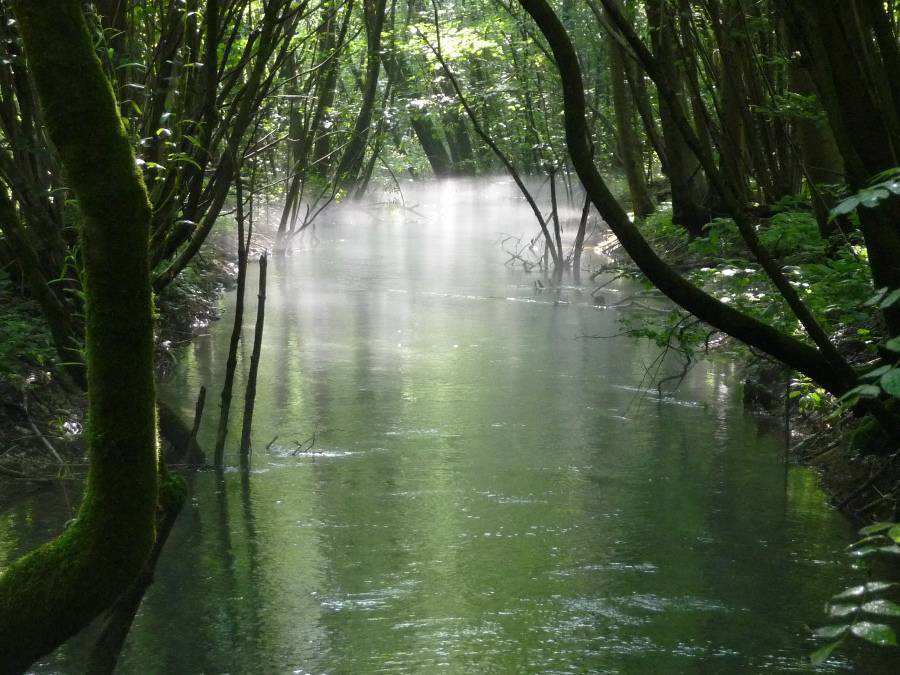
814	362
628	140
352	160
852	54
689	207
54	591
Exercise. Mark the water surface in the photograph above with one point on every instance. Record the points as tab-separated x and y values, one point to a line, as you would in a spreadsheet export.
489	490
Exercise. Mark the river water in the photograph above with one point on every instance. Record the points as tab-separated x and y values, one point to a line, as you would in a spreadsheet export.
489	489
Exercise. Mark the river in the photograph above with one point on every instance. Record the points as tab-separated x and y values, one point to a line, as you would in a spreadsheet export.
489	488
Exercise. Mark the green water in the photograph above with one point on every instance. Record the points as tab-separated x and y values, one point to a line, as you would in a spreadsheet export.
489	490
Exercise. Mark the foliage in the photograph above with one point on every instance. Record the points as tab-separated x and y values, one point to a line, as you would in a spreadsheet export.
883	380
24	338
882	187
864	612
837	287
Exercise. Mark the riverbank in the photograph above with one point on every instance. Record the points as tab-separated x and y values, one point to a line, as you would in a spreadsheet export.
855	460
852	456
42	416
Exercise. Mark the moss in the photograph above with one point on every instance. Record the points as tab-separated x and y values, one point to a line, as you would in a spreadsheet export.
53	592
172	491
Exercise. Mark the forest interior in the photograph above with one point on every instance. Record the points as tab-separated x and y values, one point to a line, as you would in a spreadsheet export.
485	336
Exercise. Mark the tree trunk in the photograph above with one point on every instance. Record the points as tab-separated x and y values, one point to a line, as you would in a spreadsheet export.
237	328
326	88
862	124
628	141
684	172
820	154
578	251
64	331
557	229
730	200
427	132
462	154
250	394
352	159
53	592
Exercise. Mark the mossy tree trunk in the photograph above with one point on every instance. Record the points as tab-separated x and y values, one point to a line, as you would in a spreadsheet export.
51	593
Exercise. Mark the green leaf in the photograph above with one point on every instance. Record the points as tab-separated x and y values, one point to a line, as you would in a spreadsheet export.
875	374
891	382
885	175
875	528
876	633
849	205
891	299
871	587
842	610
197	144
865	541
820	656
895	534
134	64
882	608
893	345
871	198
863	390
831	632
878	297
183	158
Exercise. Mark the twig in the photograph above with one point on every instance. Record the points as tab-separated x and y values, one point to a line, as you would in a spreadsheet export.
37	432
10	473
305	446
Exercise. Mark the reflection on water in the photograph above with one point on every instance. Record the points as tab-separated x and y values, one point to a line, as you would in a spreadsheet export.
488	491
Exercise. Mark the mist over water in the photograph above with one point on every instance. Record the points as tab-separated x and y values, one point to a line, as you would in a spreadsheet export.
488	490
